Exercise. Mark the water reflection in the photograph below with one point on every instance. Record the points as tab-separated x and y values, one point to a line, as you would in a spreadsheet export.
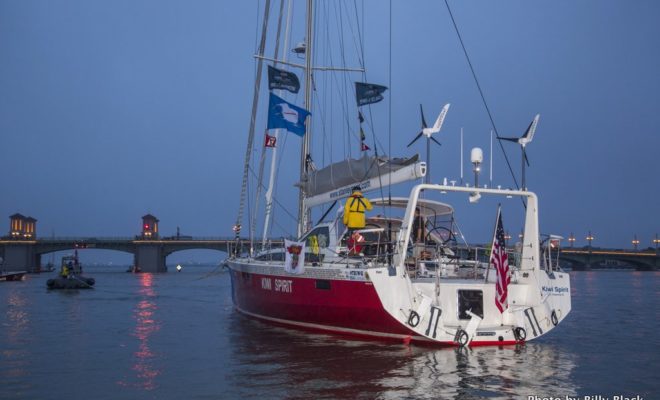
146	363
16	328
486	372
290	364
638	284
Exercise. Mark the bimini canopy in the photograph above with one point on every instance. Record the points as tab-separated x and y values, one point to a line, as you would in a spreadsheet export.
428	208
335	181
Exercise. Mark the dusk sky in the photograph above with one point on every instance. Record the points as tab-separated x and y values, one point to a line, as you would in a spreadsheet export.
113	109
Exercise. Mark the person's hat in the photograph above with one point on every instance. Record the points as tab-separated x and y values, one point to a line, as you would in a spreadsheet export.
355	189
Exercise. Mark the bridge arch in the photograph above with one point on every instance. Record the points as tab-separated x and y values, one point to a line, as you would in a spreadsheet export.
195	256
73	248
92	257
585	258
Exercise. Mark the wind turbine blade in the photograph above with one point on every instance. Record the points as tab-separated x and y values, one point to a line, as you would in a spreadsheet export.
526	159
421	110
434	139
529	133
441	119
508	139
415	139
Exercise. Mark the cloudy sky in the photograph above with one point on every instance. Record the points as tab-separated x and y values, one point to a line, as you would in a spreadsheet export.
111	110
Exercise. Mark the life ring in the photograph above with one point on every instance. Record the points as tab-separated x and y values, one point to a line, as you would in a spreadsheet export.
413	319
461	338
520	334
553	318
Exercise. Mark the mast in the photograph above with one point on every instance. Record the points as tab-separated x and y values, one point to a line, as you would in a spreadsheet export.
255	103
271	181
302	210
262	161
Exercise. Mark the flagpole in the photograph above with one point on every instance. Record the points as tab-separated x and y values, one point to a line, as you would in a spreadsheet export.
497	219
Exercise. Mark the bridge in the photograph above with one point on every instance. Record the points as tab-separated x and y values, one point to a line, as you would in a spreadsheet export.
148	254
588	258
21	250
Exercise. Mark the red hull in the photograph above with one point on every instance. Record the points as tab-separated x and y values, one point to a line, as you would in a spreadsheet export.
346	307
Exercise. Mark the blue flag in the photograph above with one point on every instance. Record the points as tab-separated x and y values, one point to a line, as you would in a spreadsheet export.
282	114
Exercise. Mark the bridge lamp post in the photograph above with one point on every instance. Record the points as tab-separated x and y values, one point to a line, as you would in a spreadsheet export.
590	239
656	242
635	242
571	239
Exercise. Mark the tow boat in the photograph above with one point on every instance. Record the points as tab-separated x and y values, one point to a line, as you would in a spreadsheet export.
70	276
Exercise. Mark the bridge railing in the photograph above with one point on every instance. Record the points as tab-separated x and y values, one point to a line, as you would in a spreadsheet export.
85	239
130	238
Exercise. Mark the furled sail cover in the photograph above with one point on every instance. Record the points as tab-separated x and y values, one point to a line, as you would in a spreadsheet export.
351	171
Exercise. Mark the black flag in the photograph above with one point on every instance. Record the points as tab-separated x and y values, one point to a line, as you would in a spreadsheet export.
279	79
367	93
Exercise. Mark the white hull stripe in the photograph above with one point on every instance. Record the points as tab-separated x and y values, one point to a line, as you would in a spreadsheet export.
336	329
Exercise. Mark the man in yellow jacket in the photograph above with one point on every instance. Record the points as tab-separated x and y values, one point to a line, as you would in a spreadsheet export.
356	206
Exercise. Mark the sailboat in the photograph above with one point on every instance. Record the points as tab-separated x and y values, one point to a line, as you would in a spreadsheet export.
409	280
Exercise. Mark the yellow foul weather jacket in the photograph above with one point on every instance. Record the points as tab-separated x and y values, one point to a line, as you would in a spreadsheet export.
356	206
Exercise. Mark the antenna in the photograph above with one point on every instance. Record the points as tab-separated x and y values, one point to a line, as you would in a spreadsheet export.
490	169
523	141
428	132
461	155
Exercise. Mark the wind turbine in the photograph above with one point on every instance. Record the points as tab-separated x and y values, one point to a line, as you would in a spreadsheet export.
428	132
523	141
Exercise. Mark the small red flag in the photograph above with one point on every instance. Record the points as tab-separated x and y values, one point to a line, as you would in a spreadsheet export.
364	147
269	141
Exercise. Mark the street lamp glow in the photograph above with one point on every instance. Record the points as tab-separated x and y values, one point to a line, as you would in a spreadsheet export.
635	242
590	238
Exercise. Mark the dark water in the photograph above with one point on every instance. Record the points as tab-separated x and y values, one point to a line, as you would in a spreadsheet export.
176	336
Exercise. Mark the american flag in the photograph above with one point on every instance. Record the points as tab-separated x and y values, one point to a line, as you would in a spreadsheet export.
500	261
